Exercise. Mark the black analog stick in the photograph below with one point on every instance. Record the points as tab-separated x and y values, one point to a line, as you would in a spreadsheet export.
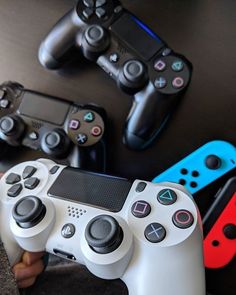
11	128
55	143
103	234
230	231
28	211
133	76
213	162
95	35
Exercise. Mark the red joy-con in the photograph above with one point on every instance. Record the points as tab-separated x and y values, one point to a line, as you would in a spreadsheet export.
218	249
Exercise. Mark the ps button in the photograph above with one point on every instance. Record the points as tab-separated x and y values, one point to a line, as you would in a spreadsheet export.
31	183
28	172
100	3
167	197
89	117
177	66
230	231
178	82
213	162
15	190
159	65
96	131
13	178
100	12
160	82
182	219
155	232
87	12
141	209
74	124
2	94
114	58
118	9
54	169
89	3
81	138
4	103
68	230
140	187
33	135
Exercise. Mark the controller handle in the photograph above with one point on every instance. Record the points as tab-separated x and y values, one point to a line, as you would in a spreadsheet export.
147	116
59	44
180	268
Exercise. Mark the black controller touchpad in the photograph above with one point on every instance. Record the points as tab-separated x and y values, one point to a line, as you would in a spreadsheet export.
39	107
137	36
98	190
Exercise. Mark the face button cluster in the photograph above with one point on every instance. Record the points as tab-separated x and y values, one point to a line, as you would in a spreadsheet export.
171	73
29	181
155	232
85	128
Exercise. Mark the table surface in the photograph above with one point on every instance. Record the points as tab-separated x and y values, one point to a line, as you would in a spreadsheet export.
204	31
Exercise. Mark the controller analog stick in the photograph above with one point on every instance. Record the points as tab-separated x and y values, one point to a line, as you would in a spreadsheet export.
95	35
230	231
28	211
103	234
133	76
95	40
213	162
55	143
11	126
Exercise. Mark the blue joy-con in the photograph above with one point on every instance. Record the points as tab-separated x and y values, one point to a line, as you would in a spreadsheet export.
202	167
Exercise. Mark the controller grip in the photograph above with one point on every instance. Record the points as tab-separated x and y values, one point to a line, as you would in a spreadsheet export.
147	117
177	269
58	45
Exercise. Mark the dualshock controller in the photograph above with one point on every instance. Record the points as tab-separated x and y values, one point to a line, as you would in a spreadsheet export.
59	128
131	53
148	235
220	228
202	167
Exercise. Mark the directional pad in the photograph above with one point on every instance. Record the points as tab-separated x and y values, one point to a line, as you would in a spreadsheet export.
31	183
15	190
13	178
28	172
94	7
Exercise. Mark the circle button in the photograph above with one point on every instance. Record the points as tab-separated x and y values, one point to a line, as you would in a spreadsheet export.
183	219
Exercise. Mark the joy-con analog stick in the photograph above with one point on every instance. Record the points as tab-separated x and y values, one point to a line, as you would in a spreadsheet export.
103	234
230	231
213	162
28	211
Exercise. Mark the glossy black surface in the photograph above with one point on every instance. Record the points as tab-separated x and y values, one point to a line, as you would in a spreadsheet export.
204	31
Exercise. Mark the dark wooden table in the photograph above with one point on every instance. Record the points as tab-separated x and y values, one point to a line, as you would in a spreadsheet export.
203	30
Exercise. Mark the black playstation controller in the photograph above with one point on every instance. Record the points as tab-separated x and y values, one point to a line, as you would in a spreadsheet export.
61	129
134	56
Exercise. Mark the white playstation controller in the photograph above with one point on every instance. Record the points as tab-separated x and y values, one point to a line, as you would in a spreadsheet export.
148	235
